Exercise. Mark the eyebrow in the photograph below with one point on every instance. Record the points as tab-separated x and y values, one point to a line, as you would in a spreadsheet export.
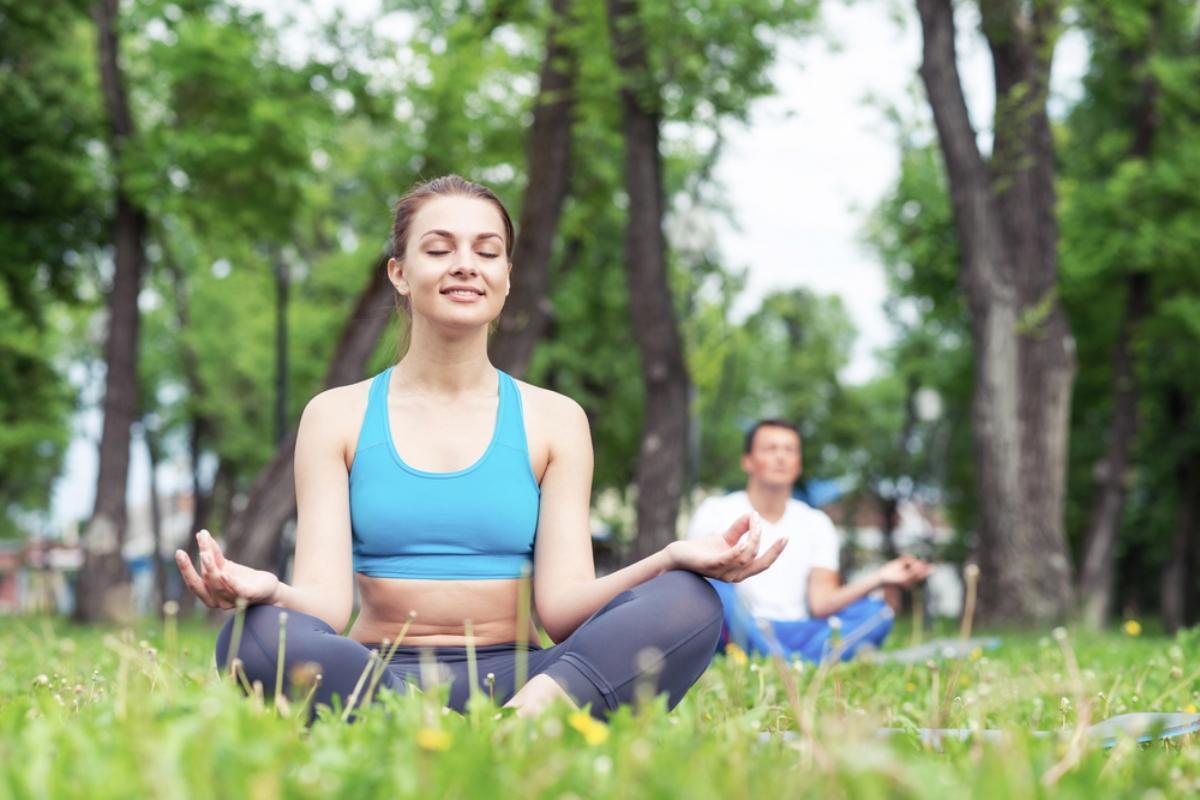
449	235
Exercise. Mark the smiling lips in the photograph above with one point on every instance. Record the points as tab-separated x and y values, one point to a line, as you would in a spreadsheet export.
462	293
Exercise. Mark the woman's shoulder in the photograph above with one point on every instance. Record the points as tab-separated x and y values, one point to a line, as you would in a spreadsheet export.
547	404
339	405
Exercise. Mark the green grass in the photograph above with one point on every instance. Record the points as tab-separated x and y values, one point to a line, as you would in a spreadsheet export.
95	714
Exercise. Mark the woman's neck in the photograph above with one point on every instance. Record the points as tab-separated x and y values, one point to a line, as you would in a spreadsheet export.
436	364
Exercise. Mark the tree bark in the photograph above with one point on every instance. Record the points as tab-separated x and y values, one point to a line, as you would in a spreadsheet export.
103	589
1104	521
1175	579
663	454
527	311
153	453
1024	355
253	534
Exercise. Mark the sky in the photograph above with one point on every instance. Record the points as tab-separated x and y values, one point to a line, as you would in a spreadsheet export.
800	176
804	173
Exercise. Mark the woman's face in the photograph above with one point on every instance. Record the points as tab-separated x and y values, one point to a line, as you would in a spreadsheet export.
455	267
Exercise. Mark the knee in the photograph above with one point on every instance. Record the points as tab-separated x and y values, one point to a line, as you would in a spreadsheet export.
695	596
256	640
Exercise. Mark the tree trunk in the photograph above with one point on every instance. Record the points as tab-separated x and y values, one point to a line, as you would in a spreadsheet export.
103	589
527	310
663	455
253	534
1104	521
1175	579
1024	354
153	451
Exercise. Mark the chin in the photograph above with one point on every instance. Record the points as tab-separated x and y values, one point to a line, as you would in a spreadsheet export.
467	319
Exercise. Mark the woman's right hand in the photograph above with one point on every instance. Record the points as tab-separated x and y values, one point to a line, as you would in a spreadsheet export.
220	581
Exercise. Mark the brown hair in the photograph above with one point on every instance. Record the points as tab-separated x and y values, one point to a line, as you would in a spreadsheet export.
748	442
445	186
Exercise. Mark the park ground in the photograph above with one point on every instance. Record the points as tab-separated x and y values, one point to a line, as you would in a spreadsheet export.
142	712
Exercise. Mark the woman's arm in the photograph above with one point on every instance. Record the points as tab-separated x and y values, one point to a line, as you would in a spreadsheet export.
322	581
566	589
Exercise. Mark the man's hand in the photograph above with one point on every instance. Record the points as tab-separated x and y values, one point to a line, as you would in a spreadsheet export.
904	572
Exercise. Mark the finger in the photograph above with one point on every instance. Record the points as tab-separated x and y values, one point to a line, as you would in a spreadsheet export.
752	542
192	580
230	584
765	560
215	549
739	527
206	563
201	552
211	574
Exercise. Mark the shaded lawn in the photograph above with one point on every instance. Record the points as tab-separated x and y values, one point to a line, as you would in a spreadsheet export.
94	713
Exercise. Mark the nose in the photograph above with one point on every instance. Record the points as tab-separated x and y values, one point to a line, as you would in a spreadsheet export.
464	268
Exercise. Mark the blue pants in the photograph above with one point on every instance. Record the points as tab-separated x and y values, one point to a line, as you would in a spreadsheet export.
862	622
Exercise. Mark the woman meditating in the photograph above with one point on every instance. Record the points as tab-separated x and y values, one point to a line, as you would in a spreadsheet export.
436	486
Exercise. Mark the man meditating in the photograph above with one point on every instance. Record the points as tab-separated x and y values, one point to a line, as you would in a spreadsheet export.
791	607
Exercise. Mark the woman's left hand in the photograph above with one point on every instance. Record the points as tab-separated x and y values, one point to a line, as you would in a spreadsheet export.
730	556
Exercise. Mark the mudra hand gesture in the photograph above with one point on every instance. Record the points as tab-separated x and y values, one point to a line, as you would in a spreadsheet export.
904	572
220	581
730	556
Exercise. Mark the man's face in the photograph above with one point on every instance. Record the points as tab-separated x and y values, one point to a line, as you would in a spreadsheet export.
774	457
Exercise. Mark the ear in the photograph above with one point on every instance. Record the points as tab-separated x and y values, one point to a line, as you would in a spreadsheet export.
508	280
746	463
395	271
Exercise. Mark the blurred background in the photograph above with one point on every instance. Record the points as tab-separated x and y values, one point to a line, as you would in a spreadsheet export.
956	243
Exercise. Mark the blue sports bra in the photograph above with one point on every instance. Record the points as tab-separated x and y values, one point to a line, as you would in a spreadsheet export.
475	523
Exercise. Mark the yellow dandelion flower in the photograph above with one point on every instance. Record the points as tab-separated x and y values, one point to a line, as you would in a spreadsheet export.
1191	708
1132	627
910	687
736	654
433	739
976	653
594	731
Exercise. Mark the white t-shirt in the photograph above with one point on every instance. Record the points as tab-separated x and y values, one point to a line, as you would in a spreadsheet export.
780	591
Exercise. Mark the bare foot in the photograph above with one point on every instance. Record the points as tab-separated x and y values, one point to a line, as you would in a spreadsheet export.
537	695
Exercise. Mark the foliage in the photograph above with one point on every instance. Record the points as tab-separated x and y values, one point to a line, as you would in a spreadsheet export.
50	206
1127	213
1121	213
912	230
50	223
35	403
88	712
782	362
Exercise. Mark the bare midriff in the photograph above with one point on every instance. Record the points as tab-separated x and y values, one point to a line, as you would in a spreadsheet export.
441	608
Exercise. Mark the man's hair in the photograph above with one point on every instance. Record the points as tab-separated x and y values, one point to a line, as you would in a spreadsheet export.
748	445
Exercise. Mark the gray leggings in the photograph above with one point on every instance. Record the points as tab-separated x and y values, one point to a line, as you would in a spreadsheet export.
660	634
